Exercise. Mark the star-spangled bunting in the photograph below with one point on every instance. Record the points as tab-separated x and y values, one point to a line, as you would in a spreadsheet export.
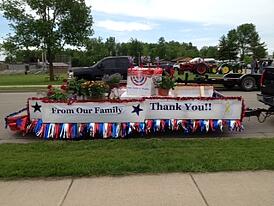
36	107
137	109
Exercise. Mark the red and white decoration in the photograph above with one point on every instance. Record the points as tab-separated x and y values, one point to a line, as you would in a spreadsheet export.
141	81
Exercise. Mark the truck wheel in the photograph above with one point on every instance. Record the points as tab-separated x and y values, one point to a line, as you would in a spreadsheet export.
248	83
201	68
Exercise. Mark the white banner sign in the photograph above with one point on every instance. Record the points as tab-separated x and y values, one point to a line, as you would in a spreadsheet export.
93	112
193	109
135	111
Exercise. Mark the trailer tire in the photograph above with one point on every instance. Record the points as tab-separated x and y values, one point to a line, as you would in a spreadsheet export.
248	83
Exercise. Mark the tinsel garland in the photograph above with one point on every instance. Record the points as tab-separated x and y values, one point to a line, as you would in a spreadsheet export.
141	99
116	130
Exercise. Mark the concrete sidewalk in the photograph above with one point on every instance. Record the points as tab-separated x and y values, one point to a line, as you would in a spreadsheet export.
201	189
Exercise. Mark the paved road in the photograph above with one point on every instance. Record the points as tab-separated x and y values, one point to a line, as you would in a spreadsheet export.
11	102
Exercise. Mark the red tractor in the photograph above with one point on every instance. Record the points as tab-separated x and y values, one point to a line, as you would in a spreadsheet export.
196	65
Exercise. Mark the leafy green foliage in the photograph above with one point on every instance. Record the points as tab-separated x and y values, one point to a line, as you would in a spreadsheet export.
112	79
167	81
135	49
247	59
75	86
209	52
111	46
232	44
47	25
57	93
242	41
228	46
249	41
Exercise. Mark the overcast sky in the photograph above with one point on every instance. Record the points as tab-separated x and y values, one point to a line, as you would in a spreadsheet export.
201	22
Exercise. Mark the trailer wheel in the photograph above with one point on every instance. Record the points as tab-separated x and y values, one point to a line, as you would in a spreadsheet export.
248	83
201	68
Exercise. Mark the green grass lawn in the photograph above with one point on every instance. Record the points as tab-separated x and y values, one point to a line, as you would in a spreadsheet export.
122	157
29	79
43	79
23	89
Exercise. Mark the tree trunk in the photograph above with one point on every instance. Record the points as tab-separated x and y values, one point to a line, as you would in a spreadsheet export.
50	59
51	74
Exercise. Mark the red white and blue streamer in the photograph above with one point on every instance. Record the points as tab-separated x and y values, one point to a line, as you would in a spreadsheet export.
73	131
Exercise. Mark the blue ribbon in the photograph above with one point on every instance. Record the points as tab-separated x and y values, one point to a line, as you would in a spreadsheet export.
46	131
38	126
101	129
74	131
62	130
142	127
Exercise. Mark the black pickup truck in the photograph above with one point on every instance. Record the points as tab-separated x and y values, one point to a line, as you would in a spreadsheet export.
267	87
111	65
107	65
266	96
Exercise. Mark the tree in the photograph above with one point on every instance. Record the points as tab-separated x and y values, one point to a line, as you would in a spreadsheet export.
135	49
249	41
258	49
9	49
188	50
95	50
48	24
173	50
161	48
228	46
223	48
241	42
123	49
209	52
232	44
111	46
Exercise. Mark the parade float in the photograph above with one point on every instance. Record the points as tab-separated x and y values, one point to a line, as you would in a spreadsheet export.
87	110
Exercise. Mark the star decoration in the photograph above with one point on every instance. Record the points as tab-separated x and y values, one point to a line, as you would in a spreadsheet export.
137	109
36	107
